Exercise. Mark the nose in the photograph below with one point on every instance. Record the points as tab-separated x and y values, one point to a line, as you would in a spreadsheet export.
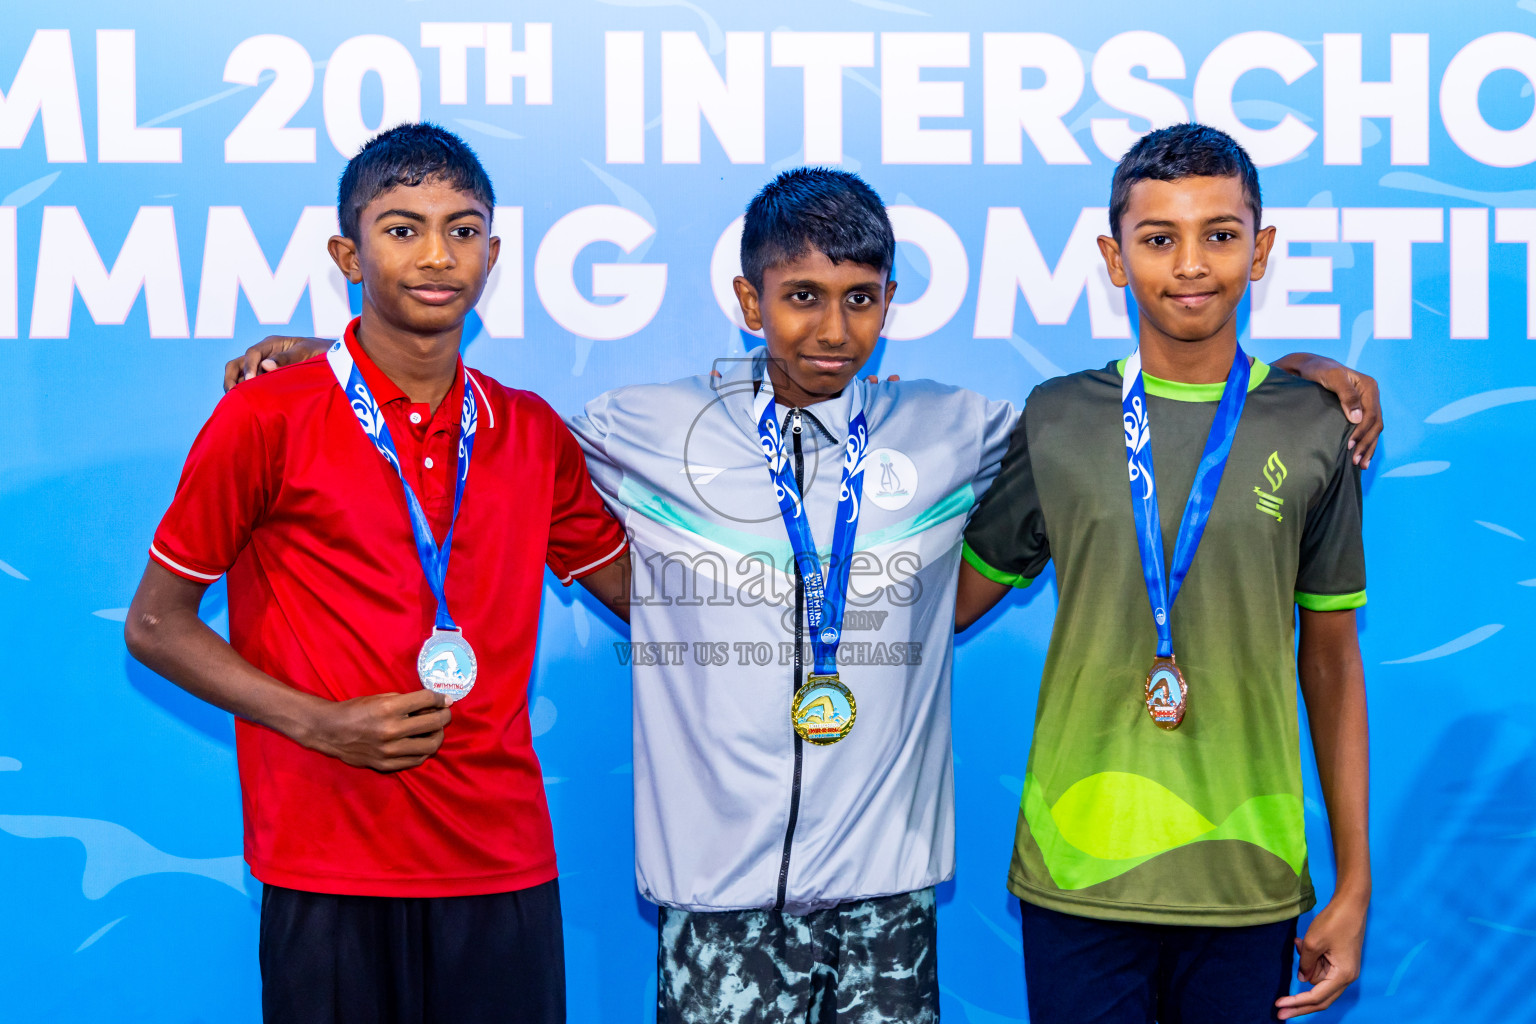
1189	260
834	327
434	253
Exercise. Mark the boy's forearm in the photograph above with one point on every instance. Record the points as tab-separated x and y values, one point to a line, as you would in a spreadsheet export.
164	632
1333	685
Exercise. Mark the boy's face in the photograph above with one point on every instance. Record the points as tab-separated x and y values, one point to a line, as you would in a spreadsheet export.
422	255
821	321
1187	251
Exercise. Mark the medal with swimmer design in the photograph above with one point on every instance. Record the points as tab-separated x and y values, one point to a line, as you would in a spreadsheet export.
823	710
446	664
1167	693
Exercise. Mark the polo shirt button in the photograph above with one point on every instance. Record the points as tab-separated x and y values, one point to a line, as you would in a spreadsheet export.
429	462
415	417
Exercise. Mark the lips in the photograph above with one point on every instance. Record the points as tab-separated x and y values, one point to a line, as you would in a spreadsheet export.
1193	300
435	294
827	364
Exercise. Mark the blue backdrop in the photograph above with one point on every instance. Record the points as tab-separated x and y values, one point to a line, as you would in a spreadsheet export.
156	162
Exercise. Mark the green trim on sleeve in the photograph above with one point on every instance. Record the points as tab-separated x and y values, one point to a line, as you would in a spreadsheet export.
1181	392
995	575
1328	602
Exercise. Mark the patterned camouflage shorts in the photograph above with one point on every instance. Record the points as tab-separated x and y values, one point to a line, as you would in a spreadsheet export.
866	962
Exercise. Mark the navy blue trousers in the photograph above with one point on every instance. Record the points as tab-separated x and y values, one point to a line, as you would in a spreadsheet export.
1084	971
399	960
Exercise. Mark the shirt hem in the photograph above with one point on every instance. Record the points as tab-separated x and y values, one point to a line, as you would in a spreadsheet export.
480	885
183	571
1008	579
1142	913
1330	602
792	907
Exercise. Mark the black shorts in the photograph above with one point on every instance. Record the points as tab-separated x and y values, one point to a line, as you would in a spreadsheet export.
1116	972
399	960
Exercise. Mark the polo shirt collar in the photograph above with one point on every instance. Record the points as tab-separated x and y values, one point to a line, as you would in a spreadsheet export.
742	388
385	390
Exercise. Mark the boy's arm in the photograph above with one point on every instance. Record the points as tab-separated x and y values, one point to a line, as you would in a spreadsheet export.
978	593
592	428
1358	395
1005	541
1333	685
387	732
268	354
976	596
586	541
610	585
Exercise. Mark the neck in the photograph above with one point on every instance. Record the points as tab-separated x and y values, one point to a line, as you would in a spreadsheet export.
791	395
421	365
1189	362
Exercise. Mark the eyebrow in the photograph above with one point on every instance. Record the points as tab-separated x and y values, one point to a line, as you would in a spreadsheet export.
1220	219
807	283
418	218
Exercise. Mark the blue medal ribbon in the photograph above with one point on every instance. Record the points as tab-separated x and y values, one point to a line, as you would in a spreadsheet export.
434	560
1163	584
825	596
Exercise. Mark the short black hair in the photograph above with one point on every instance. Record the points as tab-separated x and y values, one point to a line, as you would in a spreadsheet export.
1183	151
408	155
815	208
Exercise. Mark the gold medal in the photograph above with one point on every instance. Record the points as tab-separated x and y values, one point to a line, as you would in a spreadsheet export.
1167	693
823	710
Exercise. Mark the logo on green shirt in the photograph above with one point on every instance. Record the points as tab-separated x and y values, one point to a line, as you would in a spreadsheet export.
1274	474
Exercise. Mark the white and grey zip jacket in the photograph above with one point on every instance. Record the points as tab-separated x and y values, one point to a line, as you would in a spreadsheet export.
732	810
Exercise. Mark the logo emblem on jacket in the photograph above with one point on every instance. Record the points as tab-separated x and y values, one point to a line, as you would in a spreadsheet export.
890	479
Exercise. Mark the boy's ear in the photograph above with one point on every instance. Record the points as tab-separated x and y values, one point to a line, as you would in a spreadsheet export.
1263	243
751	311
344	253
495	254
1110	250
885	311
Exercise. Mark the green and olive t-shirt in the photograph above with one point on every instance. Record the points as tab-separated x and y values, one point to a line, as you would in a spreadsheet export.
1120	819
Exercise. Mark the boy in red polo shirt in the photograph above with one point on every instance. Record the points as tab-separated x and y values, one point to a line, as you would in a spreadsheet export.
405	848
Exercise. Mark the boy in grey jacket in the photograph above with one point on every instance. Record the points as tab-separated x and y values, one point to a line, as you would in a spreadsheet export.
794	845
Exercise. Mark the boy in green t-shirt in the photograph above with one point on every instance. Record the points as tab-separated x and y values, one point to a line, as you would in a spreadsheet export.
1161	853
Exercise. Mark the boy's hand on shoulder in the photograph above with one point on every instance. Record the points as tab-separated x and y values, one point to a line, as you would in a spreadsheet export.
874	378
268	354
388	732
1330	958
1359	397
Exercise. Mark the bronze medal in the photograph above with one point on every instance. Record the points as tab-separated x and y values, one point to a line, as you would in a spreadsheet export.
1167	694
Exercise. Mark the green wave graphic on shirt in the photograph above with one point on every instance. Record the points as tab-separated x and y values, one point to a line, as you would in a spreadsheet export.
1106	824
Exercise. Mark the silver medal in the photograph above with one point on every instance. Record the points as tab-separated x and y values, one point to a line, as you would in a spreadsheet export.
447	664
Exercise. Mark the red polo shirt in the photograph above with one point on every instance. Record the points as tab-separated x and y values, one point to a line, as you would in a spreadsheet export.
284	493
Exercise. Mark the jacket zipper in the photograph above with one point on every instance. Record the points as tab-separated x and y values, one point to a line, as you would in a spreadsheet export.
793	423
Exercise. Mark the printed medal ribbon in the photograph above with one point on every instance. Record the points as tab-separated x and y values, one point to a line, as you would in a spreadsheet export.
1163	585
825	596
434	560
